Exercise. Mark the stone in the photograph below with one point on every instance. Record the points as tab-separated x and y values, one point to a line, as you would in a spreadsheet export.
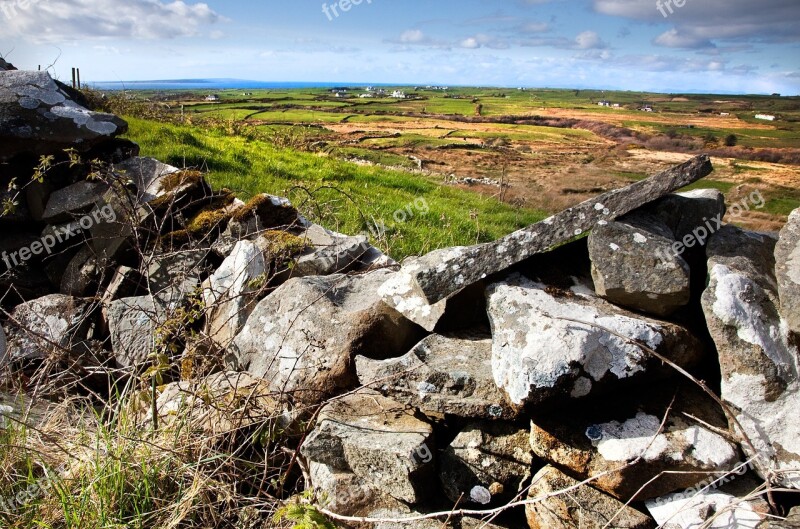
38	118
541	348
342	492
229	293
124	283
578	507
3	349
64	204
50	325
147	175
683	213
4	66
442	375
440	274
633	266
622	445
377	439
792	521
487	463
713	505
758	362
787	270
176	275
304	337
80	273
397	293
133	324
330	252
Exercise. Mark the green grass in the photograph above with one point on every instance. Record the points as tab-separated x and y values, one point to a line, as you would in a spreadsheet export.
724	187
420	214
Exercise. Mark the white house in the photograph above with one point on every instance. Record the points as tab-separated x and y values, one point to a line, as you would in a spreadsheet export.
604	103
399	94
766	117
212	97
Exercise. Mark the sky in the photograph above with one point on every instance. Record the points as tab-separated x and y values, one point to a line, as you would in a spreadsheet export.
713	46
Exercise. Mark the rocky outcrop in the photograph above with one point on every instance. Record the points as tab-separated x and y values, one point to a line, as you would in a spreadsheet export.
787	270
304	337
37	117
548	343
582	507
759	364
442	375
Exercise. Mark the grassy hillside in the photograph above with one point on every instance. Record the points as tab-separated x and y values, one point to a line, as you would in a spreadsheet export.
419	213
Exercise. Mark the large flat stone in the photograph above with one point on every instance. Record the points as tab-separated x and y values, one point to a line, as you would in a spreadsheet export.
442	375
548	342
442	273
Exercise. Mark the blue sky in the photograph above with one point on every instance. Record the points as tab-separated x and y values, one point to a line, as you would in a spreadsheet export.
704	45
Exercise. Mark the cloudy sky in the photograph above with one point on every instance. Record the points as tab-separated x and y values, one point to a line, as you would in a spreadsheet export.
748	46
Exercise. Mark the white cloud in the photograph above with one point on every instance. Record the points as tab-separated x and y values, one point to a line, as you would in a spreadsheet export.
412	36
53	21
589	40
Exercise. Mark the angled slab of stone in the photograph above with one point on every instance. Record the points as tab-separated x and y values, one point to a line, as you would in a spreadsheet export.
442	375
440	274
787	270
758	361
548	342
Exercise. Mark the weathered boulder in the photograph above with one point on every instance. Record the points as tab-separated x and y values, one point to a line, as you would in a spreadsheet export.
377	439
81	273
787	270
6	66
304	337
710	504
633	266
228	293
398	293
134	324
37	117
759	365
486	463
442	273
53	324
173	276
147	175
548	342
624	446
442	375
792	521
342	492
78	198
697	213
578	506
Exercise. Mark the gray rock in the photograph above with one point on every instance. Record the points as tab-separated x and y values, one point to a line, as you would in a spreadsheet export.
72	200
397	293
713	503
605	440
176	275
685	213
304	337
758	363
229	292
486	463
787	270
633	266
540	350
578	507
81	272
6	65
147	175
377	439
38	118
53	324
442	273
133	324
442	375
329	252
342	492
123	284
